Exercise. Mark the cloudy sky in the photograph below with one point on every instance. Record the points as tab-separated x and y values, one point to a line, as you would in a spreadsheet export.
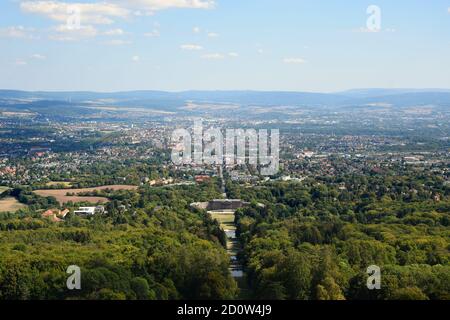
320	45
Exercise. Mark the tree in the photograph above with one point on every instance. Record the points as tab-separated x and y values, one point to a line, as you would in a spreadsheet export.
410	293
329	290
141	288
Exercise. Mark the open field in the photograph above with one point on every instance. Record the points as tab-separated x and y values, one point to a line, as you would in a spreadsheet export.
62	197
3	189
10	204
225	218
56	183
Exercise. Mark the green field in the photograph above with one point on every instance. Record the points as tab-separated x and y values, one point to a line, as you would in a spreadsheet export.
225	218
64	184
3	189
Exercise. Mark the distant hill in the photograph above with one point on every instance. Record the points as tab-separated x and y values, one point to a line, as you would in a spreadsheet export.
370	93
173	100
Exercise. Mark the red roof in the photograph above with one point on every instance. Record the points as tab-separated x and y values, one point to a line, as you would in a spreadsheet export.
48	213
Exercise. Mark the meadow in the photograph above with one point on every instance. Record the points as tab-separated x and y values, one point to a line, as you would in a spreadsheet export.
75	195
10	204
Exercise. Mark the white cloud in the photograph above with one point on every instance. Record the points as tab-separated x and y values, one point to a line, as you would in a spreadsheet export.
213	56
155	32
116	42
196	30
191	47
135	58
152	34
366	30
90	13
107	11
24	62
38	56
17	32
154	5
84	16
139	13
294	60
61	37
114	32
65	33
213	35
233	54
21	62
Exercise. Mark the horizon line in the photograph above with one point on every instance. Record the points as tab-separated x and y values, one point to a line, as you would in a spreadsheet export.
227	90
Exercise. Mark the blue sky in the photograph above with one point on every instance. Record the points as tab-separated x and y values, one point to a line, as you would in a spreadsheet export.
321	45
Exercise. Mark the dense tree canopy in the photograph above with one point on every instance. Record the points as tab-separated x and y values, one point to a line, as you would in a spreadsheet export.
316	241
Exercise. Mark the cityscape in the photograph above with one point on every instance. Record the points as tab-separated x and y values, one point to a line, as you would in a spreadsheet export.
218	188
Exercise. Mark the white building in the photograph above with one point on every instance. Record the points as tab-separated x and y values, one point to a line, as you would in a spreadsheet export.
89	211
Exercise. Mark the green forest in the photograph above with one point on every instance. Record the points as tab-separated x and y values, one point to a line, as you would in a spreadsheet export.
156	248
315	240
311	241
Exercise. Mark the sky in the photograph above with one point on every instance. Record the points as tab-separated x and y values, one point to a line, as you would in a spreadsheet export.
175	45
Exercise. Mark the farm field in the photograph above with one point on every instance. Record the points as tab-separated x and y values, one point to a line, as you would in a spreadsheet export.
57	183
10	204
62	197
3	189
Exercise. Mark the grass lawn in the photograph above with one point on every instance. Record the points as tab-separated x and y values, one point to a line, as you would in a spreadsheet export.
10	204
226	219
